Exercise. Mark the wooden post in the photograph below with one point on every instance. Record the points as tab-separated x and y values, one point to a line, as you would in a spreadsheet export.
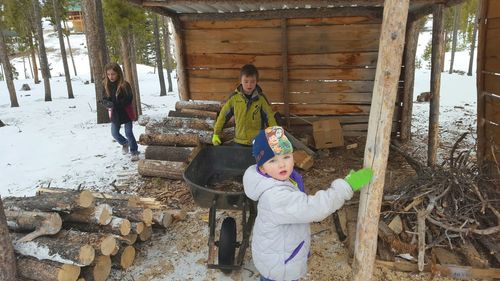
481	60
379	131
412	32
284	72
182	81
436	66
7	258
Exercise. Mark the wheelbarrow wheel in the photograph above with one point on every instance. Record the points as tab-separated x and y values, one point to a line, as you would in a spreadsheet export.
227	243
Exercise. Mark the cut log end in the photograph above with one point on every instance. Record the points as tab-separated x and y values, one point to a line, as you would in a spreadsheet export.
68	272
125	227
108	245
87	254
147	216
125	258
103	214
146	233
102	268
86	199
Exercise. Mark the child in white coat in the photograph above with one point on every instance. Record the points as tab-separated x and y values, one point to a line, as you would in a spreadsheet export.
281	235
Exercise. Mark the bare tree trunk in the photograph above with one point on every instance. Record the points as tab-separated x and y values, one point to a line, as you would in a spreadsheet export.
44	64
159	62
137	92
454	38
69	47
98	59
4	57
7	258
168	55
33	59
104	56
473	43
63	50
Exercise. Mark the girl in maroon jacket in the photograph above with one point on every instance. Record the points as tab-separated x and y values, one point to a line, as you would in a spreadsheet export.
118	97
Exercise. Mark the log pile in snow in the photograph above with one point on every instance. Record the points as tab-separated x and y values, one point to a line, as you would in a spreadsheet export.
62	234
174	140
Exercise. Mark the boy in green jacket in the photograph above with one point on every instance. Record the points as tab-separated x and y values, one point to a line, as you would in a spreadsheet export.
250	109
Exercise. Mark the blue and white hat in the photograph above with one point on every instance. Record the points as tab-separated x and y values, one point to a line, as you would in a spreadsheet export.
270	142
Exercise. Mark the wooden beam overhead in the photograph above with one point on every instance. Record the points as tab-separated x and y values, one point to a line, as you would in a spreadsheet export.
295	13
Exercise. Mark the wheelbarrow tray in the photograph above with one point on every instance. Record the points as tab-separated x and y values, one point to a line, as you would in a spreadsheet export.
214	164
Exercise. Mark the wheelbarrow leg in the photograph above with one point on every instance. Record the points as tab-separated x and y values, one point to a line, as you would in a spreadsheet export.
247	226
211	238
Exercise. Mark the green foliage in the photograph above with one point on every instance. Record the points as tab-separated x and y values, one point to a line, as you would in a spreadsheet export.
121	17
48	10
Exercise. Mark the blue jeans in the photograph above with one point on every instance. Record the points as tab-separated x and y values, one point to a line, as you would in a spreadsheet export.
115	132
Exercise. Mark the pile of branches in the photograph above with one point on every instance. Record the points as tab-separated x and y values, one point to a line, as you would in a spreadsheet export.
454	199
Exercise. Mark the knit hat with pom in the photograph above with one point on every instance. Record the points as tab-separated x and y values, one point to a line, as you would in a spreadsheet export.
270	142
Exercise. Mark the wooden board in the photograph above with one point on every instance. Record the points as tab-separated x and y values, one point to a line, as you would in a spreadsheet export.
233	74
331	74
331	87
332	39
233	61
323	109
357	98
231	24
358	59
492	84
493	9
220	89
492	109
334	20
492	41
239	41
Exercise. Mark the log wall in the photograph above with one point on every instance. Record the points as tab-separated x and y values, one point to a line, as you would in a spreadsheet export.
488	85
330	64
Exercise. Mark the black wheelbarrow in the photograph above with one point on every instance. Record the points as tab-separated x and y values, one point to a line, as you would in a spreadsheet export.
223	164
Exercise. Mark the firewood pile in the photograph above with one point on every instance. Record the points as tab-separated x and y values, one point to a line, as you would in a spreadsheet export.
172	141
446	215
62	234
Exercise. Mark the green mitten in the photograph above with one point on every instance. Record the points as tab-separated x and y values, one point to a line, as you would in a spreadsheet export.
216	140
359	178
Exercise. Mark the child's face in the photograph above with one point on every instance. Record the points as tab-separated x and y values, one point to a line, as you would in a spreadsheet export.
248	83
112	75
279	167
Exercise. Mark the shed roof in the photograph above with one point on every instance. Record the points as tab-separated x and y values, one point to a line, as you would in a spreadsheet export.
212	7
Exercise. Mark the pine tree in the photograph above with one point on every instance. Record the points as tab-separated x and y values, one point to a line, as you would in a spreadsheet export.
57	24
44	65
4	58
18	15
159	62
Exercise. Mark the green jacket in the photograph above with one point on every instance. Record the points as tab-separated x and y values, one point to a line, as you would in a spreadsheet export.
251	115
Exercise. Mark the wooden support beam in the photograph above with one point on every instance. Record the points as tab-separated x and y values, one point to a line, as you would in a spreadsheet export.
284	70
410	52
372	12
379	132
436	66
182	79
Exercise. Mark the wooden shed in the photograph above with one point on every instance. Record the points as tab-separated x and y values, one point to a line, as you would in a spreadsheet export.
488	87
317	59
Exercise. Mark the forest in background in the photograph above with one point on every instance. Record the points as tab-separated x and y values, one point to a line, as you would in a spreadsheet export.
133	36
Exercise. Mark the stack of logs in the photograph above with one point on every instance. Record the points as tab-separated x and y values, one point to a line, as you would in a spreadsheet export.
174	140
62	234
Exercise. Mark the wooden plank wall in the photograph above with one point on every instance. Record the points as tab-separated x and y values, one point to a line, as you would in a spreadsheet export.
489	85
331	65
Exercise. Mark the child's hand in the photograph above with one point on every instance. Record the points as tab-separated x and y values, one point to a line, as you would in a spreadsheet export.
216	140
359	179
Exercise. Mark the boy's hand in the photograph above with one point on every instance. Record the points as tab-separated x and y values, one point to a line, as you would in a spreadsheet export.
359	179
216	140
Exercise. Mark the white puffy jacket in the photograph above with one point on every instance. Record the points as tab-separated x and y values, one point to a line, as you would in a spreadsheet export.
281	235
